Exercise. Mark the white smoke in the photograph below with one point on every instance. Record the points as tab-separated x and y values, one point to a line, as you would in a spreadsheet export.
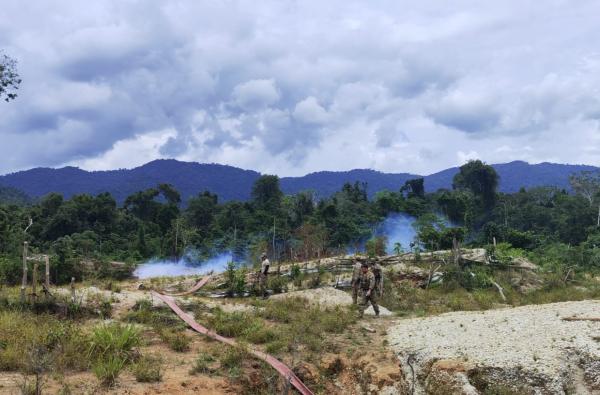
185	266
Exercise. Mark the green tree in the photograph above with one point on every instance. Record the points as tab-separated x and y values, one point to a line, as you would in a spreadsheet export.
170	194
201	212
480	178
142	204
414	188
266	193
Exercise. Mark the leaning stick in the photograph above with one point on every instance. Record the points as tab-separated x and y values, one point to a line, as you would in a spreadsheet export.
500	290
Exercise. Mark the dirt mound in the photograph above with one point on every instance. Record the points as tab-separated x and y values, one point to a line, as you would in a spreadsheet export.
528	349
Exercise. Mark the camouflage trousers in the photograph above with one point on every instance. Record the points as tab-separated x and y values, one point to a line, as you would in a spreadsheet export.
365	300
354	293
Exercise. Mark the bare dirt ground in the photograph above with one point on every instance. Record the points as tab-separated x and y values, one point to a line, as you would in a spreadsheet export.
362	364
524	350
527	349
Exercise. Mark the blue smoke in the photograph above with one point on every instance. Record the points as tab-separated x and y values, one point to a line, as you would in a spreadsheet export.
398	228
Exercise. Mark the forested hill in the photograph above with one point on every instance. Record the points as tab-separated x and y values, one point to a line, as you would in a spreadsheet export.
231	183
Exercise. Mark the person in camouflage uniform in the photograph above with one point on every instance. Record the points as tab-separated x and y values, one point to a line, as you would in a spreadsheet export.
367	289
378	273
355	280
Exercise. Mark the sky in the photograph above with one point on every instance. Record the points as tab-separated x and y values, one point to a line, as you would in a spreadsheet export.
292	87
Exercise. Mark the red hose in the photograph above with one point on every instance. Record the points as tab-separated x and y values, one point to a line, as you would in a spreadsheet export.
196	287
282	368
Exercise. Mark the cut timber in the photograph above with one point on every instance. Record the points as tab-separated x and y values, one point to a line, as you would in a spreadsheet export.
283	369
34	281
597	319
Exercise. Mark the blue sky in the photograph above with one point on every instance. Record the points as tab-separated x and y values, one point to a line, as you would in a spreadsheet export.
290	87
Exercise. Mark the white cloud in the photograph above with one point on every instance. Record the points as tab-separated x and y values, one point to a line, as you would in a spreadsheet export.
310	111
293	87
129	153
255	94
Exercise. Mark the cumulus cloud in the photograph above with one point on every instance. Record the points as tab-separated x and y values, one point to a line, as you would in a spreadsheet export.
255	94
310	111
291	87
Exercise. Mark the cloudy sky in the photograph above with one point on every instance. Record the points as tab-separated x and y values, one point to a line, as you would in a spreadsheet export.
290	87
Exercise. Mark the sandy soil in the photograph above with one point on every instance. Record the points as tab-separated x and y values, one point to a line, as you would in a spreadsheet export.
531	344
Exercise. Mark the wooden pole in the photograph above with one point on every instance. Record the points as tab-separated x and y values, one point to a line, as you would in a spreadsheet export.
73	289
34	281
47	278
24	280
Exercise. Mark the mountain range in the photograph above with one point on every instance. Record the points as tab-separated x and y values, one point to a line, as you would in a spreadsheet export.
232	183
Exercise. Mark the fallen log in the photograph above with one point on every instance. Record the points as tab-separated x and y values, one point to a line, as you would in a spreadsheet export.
283	369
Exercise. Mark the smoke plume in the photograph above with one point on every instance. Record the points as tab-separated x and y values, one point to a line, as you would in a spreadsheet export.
189	264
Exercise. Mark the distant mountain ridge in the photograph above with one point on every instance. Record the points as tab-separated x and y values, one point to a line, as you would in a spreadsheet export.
232	183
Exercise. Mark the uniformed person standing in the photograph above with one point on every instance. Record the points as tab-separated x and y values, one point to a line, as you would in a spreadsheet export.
378	273
355	281
367	289
262	276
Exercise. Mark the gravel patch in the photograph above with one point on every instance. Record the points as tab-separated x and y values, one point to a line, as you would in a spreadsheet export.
532	339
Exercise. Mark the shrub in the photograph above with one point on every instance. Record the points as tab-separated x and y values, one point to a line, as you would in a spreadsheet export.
232	357
144	313
241	324
376	246
27	340
177	341
148	369
107	369
202	364
10	270
113	342
277	283
295	271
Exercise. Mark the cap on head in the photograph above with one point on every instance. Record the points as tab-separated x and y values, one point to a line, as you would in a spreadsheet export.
364	265
263	255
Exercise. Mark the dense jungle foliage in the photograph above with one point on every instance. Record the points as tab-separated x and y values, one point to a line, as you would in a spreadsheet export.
560	228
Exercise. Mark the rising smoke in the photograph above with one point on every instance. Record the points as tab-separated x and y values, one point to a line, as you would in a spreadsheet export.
189	264
398	228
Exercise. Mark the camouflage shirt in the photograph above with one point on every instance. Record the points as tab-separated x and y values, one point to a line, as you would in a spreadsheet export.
367	281
356	272
376	268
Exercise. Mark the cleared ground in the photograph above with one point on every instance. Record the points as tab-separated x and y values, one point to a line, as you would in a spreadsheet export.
530	344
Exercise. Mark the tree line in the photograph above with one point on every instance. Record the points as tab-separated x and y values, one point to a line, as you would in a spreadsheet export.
155	222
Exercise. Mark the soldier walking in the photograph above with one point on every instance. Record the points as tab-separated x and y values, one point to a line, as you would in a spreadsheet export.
355	281
367	289
378	273
262	276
